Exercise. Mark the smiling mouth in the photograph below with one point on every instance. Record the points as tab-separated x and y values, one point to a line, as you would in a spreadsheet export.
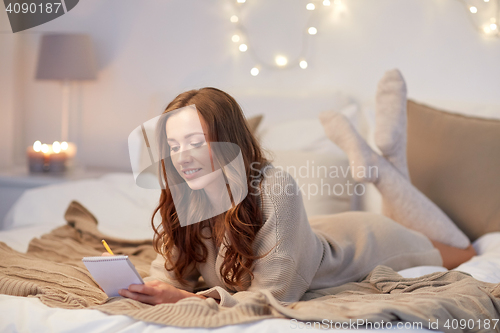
190	172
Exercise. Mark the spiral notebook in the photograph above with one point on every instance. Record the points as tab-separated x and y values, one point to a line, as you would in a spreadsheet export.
112	273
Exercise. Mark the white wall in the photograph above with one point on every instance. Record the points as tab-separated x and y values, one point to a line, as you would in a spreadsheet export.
149	50
7	43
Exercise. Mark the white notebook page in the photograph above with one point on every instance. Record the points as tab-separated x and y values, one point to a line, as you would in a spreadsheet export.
112	273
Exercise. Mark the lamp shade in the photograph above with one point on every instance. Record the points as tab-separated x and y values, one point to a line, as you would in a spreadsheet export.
66	57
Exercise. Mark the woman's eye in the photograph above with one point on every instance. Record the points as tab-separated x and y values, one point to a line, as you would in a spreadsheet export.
174	149
197	144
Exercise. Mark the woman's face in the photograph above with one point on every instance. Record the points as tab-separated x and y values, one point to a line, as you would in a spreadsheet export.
188	148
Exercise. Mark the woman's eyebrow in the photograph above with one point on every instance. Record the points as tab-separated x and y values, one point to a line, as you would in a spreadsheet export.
188	135
195	133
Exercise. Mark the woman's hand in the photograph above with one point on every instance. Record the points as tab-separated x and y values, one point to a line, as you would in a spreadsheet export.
155	292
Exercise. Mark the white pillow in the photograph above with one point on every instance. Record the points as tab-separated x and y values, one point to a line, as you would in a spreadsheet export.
294	143
324	180
305	134
290	105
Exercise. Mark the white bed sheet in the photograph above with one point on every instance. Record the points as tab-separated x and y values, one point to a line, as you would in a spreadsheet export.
20	314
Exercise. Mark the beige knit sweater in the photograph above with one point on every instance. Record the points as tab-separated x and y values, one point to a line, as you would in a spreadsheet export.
325	251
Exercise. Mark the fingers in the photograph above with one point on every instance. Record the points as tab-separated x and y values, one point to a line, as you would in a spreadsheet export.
106	254
142	289
153	292
137	296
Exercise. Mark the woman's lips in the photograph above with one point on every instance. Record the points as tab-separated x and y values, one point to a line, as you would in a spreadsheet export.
191	173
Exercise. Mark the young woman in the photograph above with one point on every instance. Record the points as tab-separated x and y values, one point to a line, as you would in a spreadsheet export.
264	240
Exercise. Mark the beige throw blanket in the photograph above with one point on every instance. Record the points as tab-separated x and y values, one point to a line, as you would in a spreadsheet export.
52	271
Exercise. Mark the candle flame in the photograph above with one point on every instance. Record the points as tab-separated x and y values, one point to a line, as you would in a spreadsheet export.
56	147
37	146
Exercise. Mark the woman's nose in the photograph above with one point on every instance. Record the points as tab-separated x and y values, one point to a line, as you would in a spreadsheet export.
184	156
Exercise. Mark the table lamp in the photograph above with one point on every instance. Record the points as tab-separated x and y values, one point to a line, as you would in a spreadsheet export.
64	57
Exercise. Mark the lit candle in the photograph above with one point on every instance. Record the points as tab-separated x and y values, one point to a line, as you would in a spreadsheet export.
36	158
57	158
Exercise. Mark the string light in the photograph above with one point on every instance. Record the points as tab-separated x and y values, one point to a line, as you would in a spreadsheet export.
478	14
280	61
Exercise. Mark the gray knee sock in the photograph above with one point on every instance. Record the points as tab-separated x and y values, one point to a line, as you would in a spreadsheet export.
404	202
390	120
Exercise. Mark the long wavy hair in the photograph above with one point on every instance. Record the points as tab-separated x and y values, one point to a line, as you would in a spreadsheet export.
182	246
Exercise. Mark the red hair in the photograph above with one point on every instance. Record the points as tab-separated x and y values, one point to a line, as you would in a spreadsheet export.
182	246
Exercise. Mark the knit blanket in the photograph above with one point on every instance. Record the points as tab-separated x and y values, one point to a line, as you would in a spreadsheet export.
53	272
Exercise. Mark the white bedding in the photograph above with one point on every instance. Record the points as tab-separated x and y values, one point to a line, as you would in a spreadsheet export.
15	311
124	210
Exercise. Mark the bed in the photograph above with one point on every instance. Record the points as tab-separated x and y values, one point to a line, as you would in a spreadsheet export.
117	203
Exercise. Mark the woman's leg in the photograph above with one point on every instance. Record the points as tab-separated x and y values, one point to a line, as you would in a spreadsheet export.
390	120
390	138
405	203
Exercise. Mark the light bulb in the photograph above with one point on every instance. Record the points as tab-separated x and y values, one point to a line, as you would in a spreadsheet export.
45	148
473	10
37	146
56	147
243	47
281	60
493	26
234	18
312	31
303	64
235	38
486	0
310	6
241	1
326	3
254	71
64	145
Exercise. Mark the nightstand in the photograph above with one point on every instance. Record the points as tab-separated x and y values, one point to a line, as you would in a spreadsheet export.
14	181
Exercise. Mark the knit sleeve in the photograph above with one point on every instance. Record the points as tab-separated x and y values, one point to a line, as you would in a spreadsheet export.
158	272
277	273
294	252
